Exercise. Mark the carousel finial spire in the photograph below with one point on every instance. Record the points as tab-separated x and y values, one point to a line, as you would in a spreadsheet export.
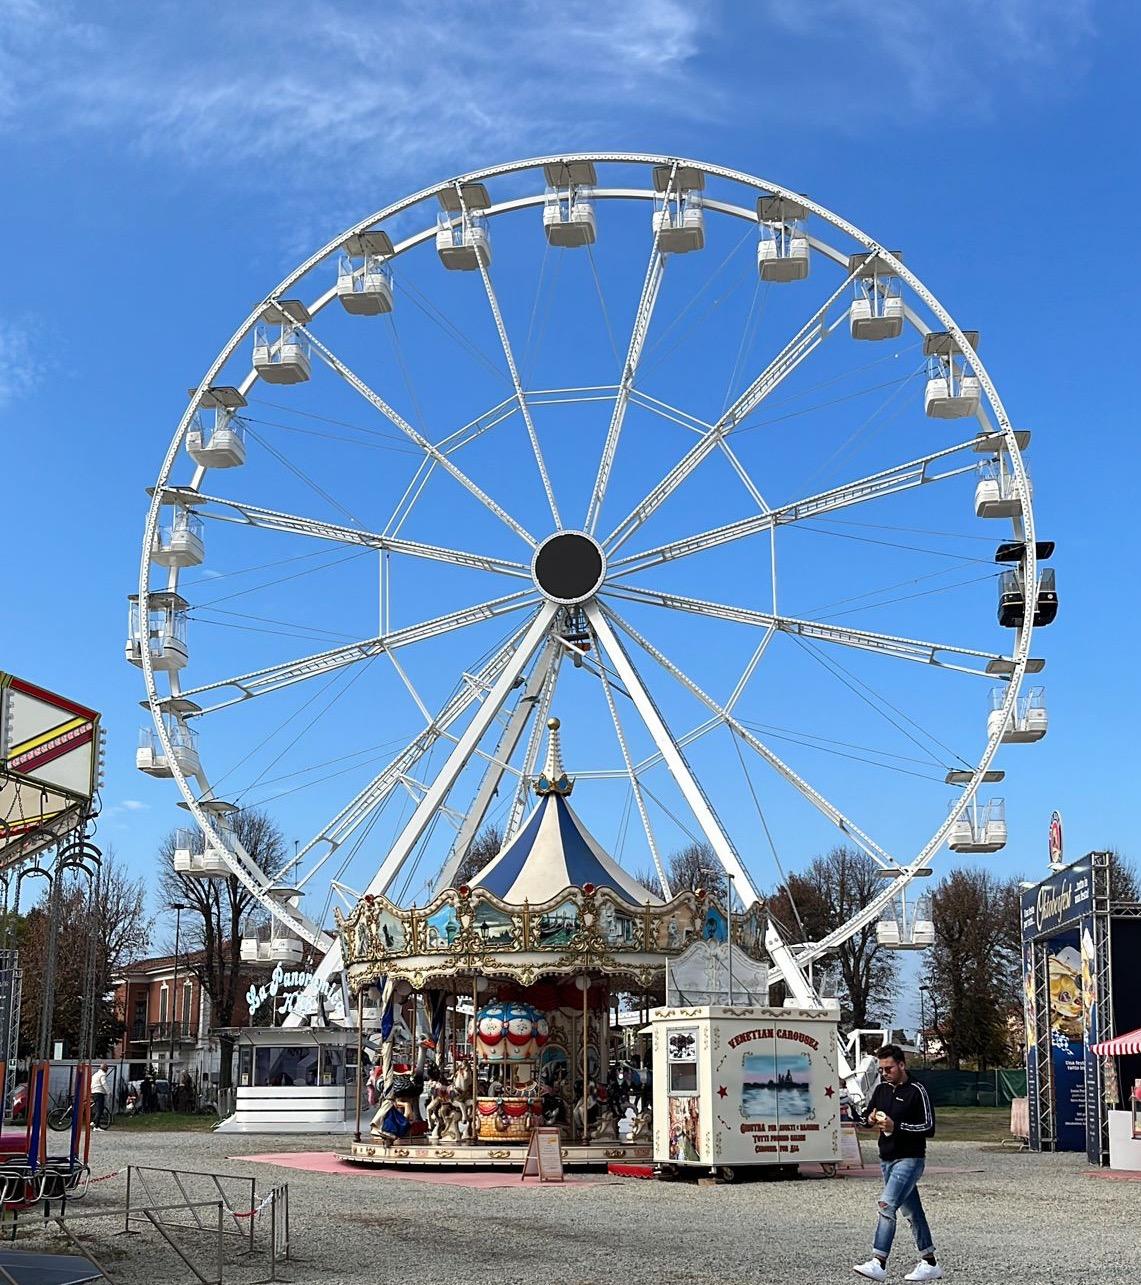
554	779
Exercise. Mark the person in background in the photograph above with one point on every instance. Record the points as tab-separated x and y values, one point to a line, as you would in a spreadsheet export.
901	1110
99	1090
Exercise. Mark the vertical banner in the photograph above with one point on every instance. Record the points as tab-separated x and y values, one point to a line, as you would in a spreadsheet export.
1067	1041
1032	1050
1090	1018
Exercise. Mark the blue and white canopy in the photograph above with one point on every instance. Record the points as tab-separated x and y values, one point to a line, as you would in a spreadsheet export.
554	850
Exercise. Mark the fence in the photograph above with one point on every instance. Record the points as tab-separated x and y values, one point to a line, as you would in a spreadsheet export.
996	1088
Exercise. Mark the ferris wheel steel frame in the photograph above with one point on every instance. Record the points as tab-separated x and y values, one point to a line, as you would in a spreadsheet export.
488	691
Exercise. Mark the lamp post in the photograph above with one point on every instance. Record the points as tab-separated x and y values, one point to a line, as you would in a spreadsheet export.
178	907
729	932
922	1024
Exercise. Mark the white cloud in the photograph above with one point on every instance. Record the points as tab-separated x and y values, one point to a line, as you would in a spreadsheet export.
133	805
352	91
885	59
21	366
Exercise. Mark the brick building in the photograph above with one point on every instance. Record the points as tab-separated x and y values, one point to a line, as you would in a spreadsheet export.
164	1012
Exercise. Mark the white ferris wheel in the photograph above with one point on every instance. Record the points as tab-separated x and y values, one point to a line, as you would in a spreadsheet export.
660	446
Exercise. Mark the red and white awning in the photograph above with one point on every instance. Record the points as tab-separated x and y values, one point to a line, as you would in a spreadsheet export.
1122	1046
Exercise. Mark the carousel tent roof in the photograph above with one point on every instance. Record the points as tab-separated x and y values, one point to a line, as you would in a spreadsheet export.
554	850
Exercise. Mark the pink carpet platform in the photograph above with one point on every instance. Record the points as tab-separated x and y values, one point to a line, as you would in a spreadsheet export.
329	1162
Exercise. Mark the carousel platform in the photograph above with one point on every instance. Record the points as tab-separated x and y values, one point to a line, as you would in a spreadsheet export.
491	1155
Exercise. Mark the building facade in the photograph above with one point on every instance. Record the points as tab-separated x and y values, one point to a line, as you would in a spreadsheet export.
167	1021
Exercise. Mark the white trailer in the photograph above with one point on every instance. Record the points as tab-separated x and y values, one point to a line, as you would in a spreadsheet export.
745	1085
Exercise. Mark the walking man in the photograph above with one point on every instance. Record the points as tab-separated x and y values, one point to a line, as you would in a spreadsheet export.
901	1110
99	1090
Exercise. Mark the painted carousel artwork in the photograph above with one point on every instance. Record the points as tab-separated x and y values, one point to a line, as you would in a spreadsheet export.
494	1001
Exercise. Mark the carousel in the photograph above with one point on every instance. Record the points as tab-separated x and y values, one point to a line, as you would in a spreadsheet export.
494	1002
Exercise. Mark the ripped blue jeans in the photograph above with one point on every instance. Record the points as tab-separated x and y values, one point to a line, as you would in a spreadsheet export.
900	1195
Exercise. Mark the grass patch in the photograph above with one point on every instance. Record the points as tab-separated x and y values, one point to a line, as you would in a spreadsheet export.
972	1124
163	1121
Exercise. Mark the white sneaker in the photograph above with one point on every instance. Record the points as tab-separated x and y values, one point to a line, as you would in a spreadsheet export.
925	1271
873	1269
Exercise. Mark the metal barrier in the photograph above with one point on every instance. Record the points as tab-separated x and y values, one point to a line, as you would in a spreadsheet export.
160	1225
236	1204
278	1227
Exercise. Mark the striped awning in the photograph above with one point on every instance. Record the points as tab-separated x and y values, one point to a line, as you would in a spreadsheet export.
1121	1046
554	851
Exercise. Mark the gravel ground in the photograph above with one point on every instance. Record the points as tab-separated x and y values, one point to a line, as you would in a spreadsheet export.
994	1216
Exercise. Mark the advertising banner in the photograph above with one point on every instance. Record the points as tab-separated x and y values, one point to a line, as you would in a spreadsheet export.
1067	1041
1030	1007
1090	1028
1057	902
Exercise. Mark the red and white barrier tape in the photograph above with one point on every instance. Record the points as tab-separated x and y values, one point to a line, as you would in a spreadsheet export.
253	1213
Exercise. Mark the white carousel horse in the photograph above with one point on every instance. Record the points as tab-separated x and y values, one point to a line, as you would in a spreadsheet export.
447	1115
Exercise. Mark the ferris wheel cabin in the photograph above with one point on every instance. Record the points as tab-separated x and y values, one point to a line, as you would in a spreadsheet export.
151	757
163	633
568	211
178	538
679	217
1028	720
979	827
897	930
364	280
782	251
199	858
216	438
282	354
877	309
952	392
996	493
463	239
1012	598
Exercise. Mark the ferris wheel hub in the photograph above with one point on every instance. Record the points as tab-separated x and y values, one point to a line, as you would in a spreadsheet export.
568	567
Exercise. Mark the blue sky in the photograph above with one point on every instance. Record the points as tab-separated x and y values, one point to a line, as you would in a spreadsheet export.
167	164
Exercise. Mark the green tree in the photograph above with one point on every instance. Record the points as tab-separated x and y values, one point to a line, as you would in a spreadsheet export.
973	971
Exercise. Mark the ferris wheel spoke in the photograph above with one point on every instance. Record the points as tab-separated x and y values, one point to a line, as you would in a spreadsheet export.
672	754
293	524
462	751
497	763
330	838
534	743
941	655
429	448
803	343
818	801
273	678
651	288
513	368
635	783
902	477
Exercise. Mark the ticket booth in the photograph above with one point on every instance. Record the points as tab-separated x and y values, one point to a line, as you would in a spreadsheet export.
746	1085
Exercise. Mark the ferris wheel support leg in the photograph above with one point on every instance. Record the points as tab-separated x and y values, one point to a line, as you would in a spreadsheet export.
672	755
493	777
461	752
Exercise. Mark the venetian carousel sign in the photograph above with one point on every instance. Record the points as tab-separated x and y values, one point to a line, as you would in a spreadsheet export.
499	993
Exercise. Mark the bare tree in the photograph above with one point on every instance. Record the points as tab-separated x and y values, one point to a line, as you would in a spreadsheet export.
485	847
1124	884
974	968
810	905
120	927
694	866
212	933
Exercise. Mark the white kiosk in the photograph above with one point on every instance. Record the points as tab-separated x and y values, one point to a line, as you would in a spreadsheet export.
745	1085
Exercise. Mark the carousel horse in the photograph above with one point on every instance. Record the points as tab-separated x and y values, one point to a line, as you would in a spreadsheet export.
447	1113
642	1128
397	1110
601	1122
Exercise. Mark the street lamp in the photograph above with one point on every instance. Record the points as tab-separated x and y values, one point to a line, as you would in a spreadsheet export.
178	907
923	1024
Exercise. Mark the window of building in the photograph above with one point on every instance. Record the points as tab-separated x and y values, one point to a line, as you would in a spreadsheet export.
163	997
